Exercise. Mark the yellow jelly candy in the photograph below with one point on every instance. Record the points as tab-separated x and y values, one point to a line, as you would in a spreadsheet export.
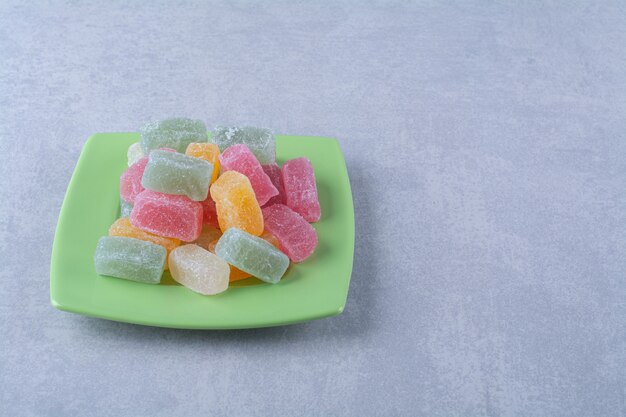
199	270
236	203
123	227
207	151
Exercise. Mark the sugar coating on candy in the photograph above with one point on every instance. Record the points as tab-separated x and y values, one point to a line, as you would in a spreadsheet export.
207	151
271	239
199	270
260	140
128	258
274	173
237	274
123	227
252	255
134	153
209	211
130	181
179	174
175	133
300	188
208	236
297	238
236	204
265	236
125	208
239	158
167	215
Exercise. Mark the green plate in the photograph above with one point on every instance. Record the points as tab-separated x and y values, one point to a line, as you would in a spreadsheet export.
313	289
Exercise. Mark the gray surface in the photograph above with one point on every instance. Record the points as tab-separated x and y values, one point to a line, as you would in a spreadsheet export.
486	149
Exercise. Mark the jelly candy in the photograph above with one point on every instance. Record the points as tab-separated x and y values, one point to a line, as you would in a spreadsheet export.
297	238
176	133
123	227
271	239
134	153
243	214
265	236
260	141
236	204
207	151
209	211
239	158
125	208
235	273
199	270
300	188
167	215
252	255
208	236
128	258
130	182
175	173
274	174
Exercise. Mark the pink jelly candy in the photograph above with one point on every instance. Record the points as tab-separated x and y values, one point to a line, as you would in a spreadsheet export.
273	172
130	181
300	189
297	238
239	158
209	212
167	215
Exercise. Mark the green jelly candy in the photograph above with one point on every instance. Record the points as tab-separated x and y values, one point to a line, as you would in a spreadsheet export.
175	173
260	141
252	254
125	208
172	133
128	258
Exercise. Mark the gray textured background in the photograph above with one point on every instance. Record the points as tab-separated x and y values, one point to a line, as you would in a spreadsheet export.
486	149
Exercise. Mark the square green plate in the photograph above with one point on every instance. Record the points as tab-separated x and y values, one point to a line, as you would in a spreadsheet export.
313	289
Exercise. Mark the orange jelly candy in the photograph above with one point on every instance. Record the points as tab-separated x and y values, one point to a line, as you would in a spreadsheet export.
236	203
208	237
207	151
271	239
123	227
237	274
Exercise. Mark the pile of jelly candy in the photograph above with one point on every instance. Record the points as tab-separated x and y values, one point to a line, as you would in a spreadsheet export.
212	211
